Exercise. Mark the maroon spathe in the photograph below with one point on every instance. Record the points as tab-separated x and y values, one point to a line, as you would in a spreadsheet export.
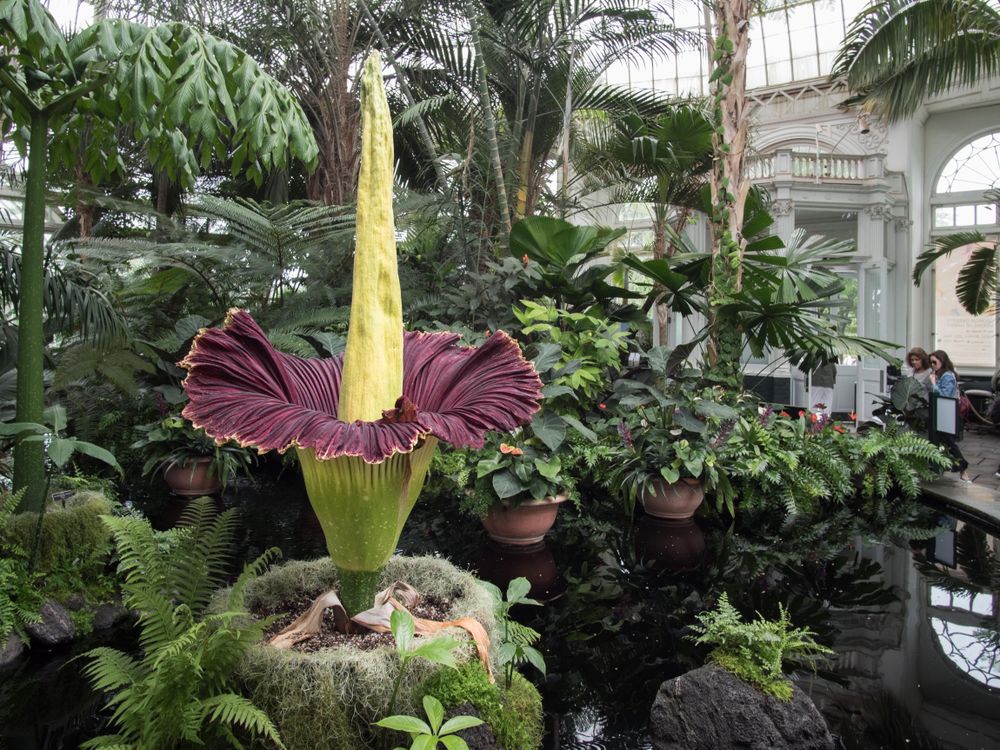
241	388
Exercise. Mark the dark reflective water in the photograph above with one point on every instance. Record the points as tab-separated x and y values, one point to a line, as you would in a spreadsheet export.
916	628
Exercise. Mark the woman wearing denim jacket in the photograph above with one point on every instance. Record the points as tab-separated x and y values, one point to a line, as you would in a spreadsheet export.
944	382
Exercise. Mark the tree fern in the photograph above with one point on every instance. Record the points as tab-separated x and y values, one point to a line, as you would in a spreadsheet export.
176	692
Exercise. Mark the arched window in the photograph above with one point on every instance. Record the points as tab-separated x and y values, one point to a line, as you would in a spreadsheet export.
965	194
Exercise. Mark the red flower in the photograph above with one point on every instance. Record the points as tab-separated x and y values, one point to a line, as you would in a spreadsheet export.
814	417
510	450
784	414
602	406
839	429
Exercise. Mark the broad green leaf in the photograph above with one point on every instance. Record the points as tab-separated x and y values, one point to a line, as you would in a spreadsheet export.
55	415
405	724
60	450
434	711
534	657
401	625
548	356
517	589
16	428
670	474
454	742
438	651
96	451
577	425
549	428
549	469
488	465
458	723
506	485
424	742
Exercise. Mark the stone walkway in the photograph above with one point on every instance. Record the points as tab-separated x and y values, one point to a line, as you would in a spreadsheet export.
981	448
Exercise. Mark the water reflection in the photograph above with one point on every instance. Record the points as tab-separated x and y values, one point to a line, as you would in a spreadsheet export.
500	564
672	546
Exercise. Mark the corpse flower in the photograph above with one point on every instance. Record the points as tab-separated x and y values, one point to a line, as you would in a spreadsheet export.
365	424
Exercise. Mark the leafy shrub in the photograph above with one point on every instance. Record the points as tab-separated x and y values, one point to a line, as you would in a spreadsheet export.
514	714
71	535
19	598
516	644
177	693
427	735
755	651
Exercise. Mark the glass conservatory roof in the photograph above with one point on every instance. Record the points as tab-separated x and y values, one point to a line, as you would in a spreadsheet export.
794	40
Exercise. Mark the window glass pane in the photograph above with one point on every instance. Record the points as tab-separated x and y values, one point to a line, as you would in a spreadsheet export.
965	216
944	217
975	166
986	213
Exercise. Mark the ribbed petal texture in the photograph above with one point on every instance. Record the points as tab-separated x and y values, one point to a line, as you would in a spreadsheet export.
241	388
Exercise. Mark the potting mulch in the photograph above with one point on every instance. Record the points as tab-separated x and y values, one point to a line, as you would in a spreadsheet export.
430	608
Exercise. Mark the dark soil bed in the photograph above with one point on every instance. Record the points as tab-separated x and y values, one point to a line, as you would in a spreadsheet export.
430	608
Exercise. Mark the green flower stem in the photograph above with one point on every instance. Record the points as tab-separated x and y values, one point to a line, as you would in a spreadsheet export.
362	508
29	457
358	589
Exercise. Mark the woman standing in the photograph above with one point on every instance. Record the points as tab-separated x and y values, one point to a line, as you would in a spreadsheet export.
944	382
920	363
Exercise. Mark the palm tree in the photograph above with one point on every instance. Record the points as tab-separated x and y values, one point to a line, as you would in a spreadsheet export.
508	80
188	98
900	52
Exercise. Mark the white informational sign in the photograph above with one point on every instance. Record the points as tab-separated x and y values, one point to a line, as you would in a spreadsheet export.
969	340
946	415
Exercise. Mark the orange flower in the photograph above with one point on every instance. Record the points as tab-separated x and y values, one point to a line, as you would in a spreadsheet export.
524	259
813	417
839	429
852	416
512	450
784	414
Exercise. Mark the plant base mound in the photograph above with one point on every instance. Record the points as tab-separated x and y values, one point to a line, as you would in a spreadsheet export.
327	699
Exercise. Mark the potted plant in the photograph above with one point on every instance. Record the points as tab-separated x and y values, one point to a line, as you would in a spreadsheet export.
670	439
192	463
515	487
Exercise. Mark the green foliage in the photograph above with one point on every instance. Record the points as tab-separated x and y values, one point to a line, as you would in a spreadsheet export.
175	441
178	692
574	350
669	431
19	598
755	651
71	535
514	713
976	285
428	735
515	646
327	700
58	448
436	651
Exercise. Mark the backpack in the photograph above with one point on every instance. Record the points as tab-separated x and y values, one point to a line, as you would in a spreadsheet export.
964	406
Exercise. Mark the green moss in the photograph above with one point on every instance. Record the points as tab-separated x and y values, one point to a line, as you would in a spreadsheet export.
514	715
328	700
71	535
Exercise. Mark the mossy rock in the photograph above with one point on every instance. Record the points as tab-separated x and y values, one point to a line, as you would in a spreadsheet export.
71	534
328	700
514	714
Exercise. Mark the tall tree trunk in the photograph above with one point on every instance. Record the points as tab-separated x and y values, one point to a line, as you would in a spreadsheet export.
29	457
503	207
729	185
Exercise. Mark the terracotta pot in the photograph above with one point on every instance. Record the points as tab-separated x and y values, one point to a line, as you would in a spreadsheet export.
673	546
524	524
677	501
193	478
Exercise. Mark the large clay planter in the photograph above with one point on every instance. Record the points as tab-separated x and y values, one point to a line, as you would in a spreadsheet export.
677	501
193	478
524	524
